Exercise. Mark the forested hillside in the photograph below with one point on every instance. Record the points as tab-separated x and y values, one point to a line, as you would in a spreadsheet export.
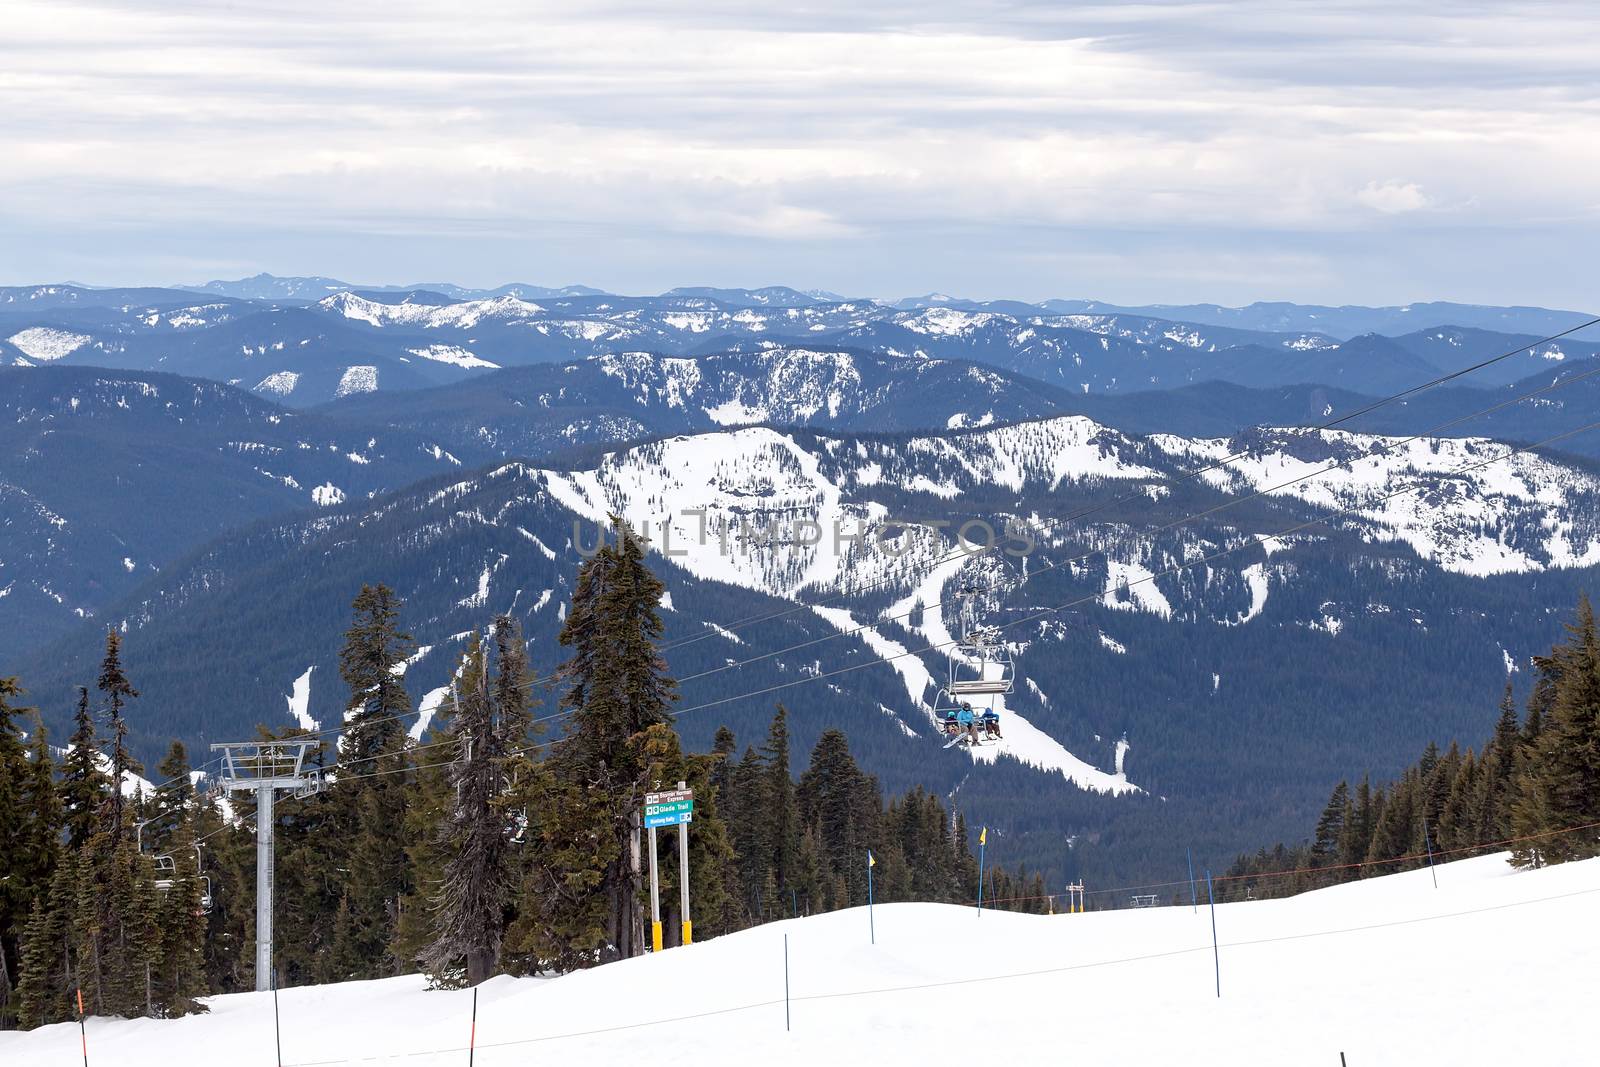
1532	787
479	846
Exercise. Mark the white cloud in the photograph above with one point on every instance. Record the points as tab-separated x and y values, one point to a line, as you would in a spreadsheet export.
984	146
1393	197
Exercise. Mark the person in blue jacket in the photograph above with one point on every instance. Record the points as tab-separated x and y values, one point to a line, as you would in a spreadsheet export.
990	720
968	721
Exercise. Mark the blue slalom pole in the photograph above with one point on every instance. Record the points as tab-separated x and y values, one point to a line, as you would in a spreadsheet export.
1216	956
1194	901
871	925
1428	844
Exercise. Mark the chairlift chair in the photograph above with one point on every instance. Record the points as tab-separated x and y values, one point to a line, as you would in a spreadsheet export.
980	666
167	877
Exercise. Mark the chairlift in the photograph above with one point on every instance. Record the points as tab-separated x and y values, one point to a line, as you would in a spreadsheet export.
981	668
167	877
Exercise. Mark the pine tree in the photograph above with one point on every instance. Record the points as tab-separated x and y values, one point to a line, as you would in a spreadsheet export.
1396	828
780	832
369	793
844	807
118	691
429	798
469	904
85	789
1568	749
617	687
1496	784
1461	819
20	866
1330	828
47	974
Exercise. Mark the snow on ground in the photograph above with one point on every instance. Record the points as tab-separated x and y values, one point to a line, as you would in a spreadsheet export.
1255	576
1493	967
358	379
431	701
454	355
46	343
1458	523
280	384
1141	590
300	701
725	632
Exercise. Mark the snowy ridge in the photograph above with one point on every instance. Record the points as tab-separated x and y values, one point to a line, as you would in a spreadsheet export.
1459	521
429	316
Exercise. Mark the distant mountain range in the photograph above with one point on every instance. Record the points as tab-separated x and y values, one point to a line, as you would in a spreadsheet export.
305	341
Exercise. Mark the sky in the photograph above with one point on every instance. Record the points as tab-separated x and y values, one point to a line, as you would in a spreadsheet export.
1181	152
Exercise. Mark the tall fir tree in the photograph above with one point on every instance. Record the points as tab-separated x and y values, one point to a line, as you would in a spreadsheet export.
369	792
1568	748
85	788
113	682
781	830
26	853
617	688
469	904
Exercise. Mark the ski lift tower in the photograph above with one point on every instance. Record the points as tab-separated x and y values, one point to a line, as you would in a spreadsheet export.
266	768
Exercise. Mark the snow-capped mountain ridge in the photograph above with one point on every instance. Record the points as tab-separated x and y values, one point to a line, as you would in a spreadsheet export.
317	334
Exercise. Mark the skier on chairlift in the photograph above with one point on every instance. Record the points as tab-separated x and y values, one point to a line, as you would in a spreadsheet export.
991	723
968	721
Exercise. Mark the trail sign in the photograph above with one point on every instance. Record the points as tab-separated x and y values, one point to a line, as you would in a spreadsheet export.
673	808
668	809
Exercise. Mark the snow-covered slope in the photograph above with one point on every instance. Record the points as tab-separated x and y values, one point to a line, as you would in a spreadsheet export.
1494	966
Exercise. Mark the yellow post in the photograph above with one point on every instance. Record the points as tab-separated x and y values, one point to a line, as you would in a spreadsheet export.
688	932
655	935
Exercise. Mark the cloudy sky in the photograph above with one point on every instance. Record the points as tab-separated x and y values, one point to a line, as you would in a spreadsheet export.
1338	152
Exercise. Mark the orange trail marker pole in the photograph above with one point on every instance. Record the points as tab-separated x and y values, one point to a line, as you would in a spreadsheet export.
83	1032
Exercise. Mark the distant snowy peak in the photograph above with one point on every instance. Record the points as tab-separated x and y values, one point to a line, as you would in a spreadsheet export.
464	315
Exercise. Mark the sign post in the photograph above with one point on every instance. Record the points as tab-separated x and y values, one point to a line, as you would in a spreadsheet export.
655	896
672	808
683	867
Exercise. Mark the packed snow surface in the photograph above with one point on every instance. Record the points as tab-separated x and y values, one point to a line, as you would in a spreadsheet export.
1494	966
